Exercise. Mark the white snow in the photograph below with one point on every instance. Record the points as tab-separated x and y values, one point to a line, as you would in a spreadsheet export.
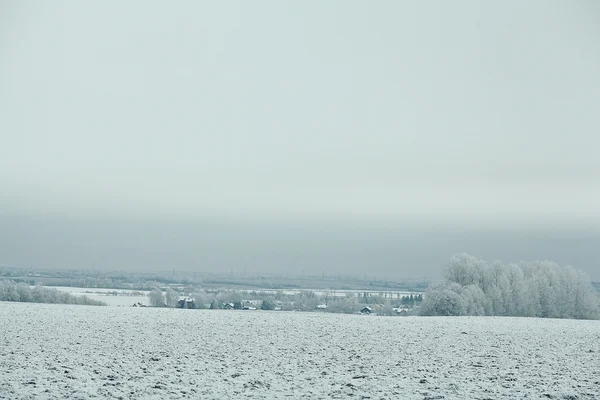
80	352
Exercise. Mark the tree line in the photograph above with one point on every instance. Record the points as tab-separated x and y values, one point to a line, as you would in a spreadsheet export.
19	291
472	286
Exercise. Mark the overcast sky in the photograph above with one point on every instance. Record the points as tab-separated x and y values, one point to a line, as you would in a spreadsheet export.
470	114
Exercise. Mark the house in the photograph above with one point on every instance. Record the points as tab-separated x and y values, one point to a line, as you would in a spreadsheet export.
186	303
227	306
138	304
249	305
366	310
322	307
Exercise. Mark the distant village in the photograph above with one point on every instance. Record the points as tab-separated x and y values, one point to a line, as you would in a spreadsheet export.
384	303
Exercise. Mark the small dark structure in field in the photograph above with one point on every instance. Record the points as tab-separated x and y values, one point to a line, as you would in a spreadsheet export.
366	310
249	305
186	303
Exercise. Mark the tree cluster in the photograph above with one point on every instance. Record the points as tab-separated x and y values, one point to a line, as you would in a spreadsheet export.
13	291
529	289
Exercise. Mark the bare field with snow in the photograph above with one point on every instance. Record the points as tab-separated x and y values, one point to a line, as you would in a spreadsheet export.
52	351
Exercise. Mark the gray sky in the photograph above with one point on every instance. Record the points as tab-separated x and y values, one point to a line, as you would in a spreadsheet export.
467	113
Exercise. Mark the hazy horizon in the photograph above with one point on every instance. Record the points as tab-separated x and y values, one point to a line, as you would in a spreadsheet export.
384	250
339	136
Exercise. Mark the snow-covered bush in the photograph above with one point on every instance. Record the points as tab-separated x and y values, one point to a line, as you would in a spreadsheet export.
13	291
537	289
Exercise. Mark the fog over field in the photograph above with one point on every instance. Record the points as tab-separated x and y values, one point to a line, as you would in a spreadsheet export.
272	136
387	250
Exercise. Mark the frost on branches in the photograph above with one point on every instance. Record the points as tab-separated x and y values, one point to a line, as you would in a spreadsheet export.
536	289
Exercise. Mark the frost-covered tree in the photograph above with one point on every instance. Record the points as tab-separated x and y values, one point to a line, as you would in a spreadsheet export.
267	304
306	302
13	291
171	297
387	309
518	290
586	298
537	289
156	298
230	296
200	298
346	305
444	298
474	300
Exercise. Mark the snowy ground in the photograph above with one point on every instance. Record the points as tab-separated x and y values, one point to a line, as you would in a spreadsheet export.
80	352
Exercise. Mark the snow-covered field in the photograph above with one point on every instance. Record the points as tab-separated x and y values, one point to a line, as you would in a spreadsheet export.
80	352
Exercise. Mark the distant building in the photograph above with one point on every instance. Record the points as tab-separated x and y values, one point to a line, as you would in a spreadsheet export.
249	305
366	310
186	303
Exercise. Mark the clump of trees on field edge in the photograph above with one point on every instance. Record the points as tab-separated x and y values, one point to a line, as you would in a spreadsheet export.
529	289
13	291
